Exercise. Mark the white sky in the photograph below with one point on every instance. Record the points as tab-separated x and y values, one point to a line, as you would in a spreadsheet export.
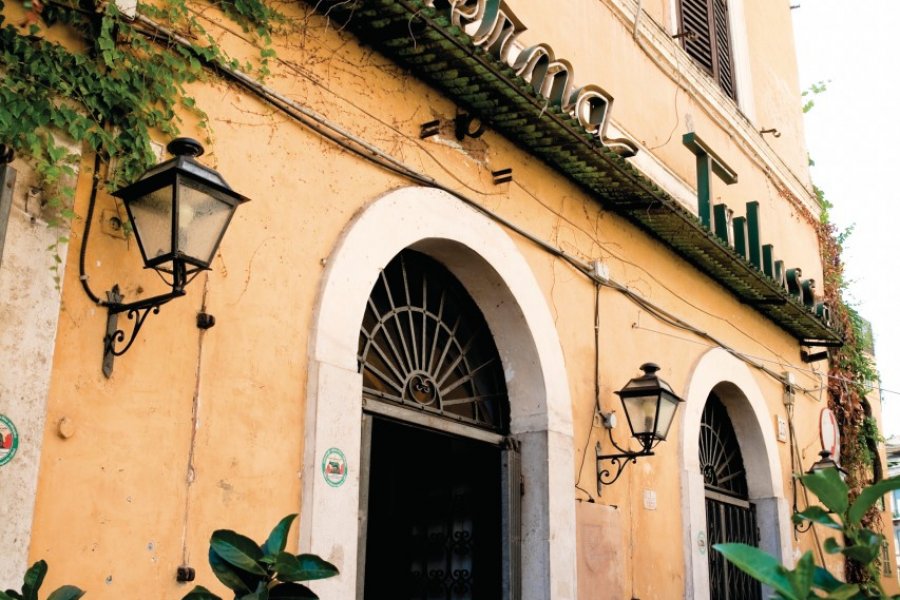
853	135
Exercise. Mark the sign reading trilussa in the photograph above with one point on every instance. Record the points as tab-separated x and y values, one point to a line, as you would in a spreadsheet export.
9	440
493	27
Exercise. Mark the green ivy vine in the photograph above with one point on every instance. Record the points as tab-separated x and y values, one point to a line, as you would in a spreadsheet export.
109	89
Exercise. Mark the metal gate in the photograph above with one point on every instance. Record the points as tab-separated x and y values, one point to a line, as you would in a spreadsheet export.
440	498
730	520
730	516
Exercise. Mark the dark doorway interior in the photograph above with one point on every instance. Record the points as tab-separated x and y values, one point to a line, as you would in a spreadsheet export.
434	517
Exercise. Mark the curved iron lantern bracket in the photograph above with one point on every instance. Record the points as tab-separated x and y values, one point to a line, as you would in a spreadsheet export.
137	312
618	460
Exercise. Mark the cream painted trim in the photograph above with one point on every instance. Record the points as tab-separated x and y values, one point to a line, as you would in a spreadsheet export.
489	265
677	65
754	425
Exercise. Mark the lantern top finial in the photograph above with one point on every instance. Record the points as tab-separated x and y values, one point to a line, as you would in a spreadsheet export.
649	368
185	146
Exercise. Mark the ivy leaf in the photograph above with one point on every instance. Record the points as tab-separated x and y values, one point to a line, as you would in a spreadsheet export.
278	538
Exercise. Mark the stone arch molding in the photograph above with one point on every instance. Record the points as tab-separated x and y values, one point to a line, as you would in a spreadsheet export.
719	371
487	262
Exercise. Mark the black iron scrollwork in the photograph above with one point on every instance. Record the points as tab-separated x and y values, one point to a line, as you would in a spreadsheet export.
135	311
619	460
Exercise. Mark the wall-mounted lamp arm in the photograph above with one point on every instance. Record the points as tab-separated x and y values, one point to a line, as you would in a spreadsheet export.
618	460
137	312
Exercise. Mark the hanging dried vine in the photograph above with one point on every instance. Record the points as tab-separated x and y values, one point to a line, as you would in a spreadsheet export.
851	378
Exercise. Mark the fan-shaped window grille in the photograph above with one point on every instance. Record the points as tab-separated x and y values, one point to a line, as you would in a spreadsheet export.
720	455
425	345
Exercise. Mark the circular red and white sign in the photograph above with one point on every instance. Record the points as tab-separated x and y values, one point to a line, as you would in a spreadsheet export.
829	435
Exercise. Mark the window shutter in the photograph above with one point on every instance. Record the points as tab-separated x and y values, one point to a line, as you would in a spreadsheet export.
710	41
695	19
724	64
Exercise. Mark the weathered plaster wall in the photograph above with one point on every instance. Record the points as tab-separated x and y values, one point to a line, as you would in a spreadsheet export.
29	310
203	430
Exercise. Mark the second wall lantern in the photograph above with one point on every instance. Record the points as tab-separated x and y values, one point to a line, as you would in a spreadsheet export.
650	406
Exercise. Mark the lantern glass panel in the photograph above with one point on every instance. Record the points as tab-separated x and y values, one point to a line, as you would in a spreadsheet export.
152	217
203	215
668	404
641	412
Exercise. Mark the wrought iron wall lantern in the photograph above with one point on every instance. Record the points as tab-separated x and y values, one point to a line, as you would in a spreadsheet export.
650	406
179	211
824	463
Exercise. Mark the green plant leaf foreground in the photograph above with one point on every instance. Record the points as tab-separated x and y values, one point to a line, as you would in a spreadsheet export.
816	514
829	488
66	592
201	593
230	576
34	577
759	565
237	550
870	496
291	591
277	540
305	567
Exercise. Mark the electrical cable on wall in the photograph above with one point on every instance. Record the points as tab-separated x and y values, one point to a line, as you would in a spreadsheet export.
369	152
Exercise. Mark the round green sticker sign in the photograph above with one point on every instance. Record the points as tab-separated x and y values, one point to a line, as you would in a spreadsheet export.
334	467
9	440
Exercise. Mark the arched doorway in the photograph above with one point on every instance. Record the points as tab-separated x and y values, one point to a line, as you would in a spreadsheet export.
730	381
493	271
438	524
730	515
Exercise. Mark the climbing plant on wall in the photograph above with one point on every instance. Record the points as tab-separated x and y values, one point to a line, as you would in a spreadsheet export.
80	75
851	377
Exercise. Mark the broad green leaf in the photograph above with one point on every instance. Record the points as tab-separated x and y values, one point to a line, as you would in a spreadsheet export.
234	579
870	496
824	580
304	567
291	591
200	593
66	592
816	514
7	595
278	538
34	577
861	553
828	486
261	593
239	550
801	577
832	546
848	591
759	565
